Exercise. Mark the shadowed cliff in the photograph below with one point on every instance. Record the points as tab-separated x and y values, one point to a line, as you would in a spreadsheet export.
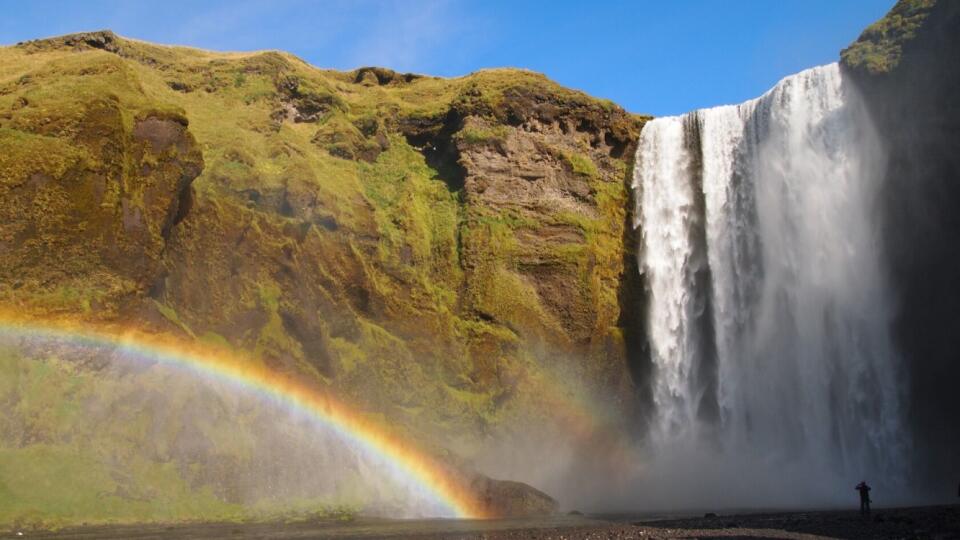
907	67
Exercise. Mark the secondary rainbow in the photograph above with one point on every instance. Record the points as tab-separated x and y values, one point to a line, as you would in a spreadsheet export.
444	486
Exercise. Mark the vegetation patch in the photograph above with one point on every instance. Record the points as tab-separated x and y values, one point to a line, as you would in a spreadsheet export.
880	46
475	135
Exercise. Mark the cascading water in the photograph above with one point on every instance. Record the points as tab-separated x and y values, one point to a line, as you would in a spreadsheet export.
768	309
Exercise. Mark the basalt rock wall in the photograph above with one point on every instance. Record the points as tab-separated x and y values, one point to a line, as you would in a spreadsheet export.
906	65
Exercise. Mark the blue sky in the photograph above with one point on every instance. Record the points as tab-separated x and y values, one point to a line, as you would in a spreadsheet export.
652	56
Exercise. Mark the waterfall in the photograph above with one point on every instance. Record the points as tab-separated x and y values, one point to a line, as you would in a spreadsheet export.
768	307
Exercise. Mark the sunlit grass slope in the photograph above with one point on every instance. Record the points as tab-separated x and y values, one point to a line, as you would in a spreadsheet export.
341	226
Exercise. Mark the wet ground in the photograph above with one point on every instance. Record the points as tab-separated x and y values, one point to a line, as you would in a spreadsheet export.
941	522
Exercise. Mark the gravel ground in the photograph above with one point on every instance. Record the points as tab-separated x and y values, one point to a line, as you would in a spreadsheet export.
940	522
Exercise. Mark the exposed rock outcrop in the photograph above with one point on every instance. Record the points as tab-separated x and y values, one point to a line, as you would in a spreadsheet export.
541	179
513	499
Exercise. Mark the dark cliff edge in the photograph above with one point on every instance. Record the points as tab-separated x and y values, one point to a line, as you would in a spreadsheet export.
907	66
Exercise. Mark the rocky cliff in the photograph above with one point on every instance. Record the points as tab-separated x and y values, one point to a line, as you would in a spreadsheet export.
434	251
906	65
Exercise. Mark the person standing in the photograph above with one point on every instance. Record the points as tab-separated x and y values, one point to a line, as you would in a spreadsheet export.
864	490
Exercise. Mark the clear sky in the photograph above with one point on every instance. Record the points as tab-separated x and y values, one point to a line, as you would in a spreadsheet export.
653	56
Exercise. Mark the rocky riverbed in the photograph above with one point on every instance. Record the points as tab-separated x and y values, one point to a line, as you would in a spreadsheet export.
941	522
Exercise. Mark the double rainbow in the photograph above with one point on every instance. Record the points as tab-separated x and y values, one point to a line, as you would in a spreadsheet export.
444	486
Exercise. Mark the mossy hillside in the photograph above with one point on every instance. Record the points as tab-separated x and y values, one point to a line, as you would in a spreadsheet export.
119	445
419	100
329	232
880	47
88	187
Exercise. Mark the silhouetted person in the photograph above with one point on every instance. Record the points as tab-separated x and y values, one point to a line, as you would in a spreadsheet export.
864	490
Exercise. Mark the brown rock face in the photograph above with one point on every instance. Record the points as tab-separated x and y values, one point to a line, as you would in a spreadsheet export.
532	175
504	498
101	222
543	182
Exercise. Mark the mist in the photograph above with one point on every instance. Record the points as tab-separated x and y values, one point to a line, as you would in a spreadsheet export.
775	380
188	443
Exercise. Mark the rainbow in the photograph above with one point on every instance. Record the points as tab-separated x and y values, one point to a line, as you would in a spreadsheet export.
448	489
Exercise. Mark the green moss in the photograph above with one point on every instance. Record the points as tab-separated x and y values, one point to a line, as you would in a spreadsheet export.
349	355
26	154
62	462
473	135
74	296
52	485
417	215
580	164
880	46
215	339
273	340
171	315
494	288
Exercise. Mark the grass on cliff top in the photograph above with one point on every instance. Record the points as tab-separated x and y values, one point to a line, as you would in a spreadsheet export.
880	46
232	102
192	70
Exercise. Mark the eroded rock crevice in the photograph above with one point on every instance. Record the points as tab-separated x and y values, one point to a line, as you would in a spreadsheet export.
434	138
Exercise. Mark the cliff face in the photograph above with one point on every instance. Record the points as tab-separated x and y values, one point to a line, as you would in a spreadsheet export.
432	249
91	189
906	66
